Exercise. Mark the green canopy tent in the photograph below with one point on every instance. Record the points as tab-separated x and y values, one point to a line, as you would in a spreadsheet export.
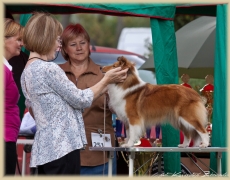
165	56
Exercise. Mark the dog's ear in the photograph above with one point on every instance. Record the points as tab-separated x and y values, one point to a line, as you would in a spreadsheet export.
122	61
134	64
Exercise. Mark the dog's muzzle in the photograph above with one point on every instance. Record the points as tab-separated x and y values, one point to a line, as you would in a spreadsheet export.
101	68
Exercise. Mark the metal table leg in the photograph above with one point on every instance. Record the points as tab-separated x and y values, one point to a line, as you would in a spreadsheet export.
159	163
219	168
23	163
110	155
131	163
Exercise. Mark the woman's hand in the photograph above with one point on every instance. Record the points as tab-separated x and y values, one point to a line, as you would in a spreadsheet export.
115	75
112	76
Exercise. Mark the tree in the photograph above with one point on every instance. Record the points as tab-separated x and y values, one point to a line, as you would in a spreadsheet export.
181	20
105	30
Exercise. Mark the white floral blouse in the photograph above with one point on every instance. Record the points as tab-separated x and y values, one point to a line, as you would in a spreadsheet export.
57	105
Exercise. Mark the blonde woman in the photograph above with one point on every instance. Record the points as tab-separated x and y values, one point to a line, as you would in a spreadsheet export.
12	47
56	102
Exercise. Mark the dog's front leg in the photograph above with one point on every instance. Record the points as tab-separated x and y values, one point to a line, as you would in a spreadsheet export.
134	135
127	136
185	142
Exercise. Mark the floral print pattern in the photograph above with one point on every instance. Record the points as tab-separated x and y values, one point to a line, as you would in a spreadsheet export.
57	105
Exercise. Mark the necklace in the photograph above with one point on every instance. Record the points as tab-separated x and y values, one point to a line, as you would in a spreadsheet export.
44	59
37	58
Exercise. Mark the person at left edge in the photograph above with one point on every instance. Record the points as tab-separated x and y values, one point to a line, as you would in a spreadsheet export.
12	46
18	64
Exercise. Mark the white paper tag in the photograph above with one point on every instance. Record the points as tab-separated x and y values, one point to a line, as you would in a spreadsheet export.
103	140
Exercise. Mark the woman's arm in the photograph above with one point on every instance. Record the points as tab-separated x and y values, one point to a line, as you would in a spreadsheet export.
78	98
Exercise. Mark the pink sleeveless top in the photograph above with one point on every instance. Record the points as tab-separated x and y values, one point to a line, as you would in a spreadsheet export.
11	110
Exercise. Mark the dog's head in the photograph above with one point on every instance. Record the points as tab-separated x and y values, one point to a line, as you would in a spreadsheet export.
132	75
121	62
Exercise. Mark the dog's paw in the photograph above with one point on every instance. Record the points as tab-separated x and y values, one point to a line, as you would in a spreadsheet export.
203	145
182	145
126	140
126	145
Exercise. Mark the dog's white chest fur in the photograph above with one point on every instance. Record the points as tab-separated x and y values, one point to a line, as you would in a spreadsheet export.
117	102
117	94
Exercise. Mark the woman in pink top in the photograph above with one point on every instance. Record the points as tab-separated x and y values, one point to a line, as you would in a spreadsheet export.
12	47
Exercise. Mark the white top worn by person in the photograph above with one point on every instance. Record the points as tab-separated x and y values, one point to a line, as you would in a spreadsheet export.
55	100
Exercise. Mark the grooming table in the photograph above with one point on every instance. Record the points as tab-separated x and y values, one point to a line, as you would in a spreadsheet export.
132	150
24	142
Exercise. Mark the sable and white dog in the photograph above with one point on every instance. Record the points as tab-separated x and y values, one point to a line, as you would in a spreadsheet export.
139	105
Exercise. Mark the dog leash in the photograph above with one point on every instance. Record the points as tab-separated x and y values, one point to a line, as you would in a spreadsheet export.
104	133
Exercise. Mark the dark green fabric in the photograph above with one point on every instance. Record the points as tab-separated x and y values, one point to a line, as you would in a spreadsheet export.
21	101
155	10
21	104
23	20
197	10
140	9
166	66
165	11
219	121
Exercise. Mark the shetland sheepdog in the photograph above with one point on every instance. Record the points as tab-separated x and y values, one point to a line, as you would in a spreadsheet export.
139	105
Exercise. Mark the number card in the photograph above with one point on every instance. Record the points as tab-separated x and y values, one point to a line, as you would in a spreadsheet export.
101	140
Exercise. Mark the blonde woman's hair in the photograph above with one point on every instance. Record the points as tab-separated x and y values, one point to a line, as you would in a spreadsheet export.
12	28
41	32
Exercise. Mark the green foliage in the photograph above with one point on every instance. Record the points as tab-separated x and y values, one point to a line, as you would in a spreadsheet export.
101	28
181	20
104	30
143	163
149	47
136	22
